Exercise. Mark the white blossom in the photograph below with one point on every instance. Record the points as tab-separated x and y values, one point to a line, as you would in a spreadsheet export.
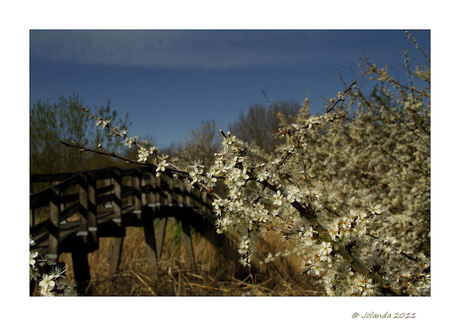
278	199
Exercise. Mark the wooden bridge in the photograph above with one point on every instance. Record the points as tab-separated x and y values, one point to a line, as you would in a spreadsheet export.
79	208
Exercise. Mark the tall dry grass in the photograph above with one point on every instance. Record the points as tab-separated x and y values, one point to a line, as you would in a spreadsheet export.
218	271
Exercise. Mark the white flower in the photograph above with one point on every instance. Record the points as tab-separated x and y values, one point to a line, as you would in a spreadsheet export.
194	176
47	282
57	273
244	245
376	209
162	166
237	177
102	123
363	286
334	232
195	171
217	203
211	177
222	224
234	193
229	140
359	230
278	199
46	292
142	155
32	257
262	176
294	194
325	250
130	141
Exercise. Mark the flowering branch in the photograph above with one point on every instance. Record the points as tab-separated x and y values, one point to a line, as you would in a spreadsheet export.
283	194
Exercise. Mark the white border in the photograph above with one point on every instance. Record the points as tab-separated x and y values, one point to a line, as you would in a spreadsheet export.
18	18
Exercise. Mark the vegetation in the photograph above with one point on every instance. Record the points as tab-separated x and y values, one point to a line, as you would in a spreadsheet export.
260	125
52	122
344	195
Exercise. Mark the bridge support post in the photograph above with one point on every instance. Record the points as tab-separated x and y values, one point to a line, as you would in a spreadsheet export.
117	245
149	235
117	241
161	201
151	193
53	227
161	235
184	204
129	183
81	271
32	217
60	194
92	210
138	193
32	284
83	209
108	182
189	254
149	230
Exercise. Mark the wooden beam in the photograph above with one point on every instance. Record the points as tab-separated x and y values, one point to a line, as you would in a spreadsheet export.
151	193
166	190
138	193
182	201
189	254
81	271
53	228
108	184
129	183
83	199
160	200
32	217
117	196
149	230
149	235
116	248
161	235
92	208
204	207
117	241
32	284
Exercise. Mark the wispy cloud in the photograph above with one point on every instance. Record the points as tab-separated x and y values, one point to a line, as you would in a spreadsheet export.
196	49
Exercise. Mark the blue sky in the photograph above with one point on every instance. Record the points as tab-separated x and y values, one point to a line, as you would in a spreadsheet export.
169	81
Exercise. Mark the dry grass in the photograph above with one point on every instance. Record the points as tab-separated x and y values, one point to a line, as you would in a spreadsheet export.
219	273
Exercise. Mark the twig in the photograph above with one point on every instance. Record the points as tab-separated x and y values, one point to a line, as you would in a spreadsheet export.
172	169
195	275
417	46
267	99
341	99
143	282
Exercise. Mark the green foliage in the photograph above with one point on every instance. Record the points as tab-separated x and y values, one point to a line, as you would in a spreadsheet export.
63	120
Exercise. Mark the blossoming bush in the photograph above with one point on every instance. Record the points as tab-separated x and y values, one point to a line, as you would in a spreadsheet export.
349	189
50	276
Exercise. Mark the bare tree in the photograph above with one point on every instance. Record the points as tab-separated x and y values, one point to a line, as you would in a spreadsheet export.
260	124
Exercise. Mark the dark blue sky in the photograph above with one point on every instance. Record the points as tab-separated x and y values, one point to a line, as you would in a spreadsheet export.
169	81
